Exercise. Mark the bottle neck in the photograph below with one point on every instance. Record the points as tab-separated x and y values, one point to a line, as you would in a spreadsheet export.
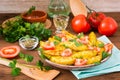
56	1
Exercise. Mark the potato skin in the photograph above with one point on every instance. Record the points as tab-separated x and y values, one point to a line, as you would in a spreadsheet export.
63	60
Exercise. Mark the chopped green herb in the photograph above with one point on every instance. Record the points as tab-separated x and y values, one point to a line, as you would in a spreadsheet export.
72	40
77	43
56	42
101	45
41	53
15	70
47	68
57	38
80	35
42	67
97	63
13	63
40	64
26	57
105	54
65	46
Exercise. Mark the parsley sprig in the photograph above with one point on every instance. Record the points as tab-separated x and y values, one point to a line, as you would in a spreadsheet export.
15	70
26	57
42	67
31	9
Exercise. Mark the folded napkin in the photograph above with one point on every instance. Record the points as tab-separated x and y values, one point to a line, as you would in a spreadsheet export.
111	65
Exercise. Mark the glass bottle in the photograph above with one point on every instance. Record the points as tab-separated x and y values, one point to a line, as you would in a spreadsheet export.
58	7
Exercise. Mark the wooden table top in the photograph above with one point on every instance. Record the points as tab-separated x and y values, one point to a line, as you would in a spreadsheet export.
65	74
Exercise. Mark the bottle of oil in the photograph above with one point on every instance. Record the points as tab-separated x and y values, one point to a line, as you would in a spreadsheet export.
58	7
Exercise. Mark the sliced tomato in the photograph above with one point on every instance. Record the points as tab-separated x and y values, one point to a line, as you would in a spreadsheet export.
66	53
108	47
9	51
49	46
80	62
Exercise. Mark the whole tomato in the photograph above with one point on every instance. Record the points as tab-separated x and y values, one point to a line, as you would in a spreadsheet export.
80	24
108	26
95	18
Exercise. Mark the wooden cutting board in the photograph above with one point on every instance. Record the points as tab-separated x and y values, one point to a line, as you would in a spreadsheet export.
32	71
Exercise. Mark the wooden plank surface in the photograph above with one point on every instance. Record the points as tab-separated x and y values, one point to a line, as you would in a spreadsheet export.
18	6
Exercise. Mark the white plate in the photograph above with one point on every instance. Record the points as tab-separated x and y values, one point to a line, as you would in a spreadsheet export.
67	67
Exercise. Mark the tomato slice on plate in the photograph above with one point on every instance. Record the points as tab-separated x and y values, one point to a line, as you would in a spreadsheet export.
9	51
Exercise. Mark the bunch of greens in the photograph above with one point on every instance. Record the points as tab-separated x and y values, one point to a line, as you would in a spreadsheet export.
15	29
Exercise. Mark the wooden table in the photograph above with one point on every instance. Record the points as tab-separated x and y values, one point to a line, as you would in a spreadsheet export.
64	75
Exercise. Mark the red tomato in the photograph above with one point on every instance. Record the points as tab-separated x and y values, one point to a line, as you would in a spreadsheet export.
9	51
66	53
49	46
95	19
80	24
108	26
80	62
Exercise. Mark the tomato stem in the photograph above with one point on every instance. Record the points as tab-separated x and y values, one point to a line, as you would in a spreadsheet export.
91	10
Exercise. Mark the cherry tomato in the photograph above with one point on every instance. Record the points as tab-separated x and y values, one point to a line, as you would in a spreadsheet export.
95	19
80	24
108	26
66	53
9	51
80	62
49	46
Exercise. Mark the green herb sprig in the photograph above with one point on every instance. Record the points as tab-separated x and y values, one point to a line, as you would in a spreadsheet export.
31	9
26	57
42	67
105	55
15	70
41	53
